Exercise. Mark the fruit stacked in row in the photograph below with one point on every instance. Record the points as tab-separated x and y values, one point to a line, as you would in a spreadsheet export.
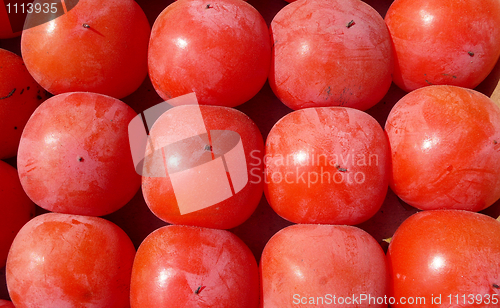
84	153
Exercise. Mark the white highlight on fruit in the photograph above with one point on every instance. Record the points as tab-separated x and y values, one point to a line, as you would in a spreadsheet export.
181	43
437	263
429	142
300	157
164	276
426	17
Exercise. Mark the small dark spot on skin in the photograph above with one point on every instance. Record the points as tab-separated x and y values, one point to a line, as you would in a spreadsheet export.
198	291
428	82
208	147
209	6
15	127
495	142
350	24
496	286
28	88
471	53
80	159
86	26
22	91
340	169
452	76
39	96
9	95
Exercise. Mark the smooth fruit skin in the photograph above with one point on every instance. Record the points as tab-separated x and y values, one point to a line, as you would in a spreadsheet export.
218	49
15	207
74	156
98	46
61	260
443	253
20	95
159	192
330	53
440	42
182	266
303	262
445	149
326	165
6	304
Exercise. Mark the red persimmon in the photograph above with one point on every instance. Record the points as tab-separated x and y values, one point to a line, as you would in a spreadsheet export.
330	53
445	148
6	304
19	97
61	260
322	265
98	46
212	167
74	156
446	258
444	41
182	266
326	165
218	49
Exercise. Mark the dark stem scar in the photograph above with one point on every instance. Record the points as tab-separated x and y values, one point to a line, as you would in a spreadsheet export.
350	24
470	53
80	159
495	142
86	26
198	291
208	147
209	6
496	286
340	169
10	94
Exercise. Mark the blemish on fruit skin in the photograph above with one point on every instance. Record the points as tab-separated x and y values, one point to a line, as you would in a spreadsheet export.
340	169
199	289
80	159
470	53
350	24
86	26
448	75
10	94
